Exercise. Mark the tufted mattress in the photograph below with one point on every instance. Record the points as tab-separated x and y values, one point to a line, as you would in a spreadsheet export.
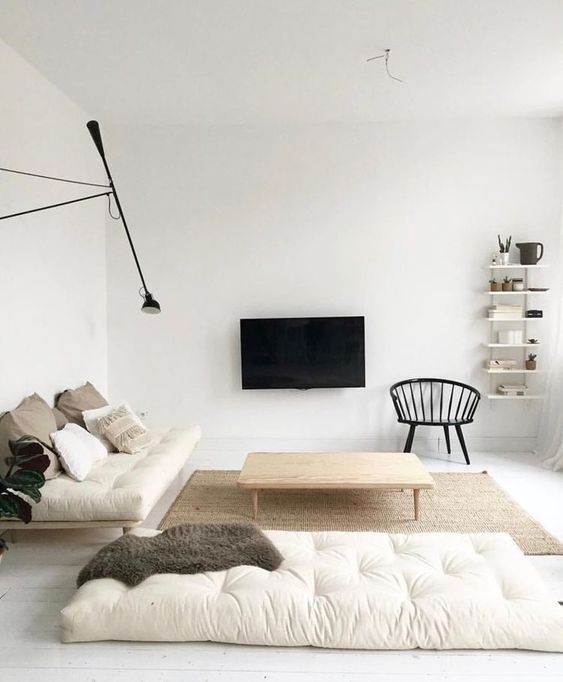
120	487
341	590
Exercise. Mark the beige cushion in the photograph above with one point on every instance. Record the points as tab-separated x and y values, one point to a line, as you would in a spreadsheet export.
74	401
60	420
32	417
124	430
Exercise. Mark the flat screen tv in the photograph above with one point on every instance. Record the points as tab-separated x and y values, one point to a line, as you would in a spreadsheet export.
303	352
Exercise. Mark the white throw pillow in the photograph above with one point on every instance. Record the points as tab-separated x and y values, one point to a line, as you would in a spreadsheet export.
91	420
77	450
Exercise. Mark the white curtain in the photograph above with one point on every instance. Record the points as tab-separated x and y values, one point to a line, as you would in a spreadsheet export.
550	437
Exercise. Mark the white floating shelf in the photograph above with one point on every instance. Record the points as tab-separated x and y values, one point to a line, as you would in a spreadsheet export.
512	371
517	293
511	345
513	266
513	319
499	396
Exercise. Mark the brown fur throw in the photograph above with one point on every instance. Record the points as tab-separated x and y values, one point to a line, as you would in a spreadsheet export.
188	548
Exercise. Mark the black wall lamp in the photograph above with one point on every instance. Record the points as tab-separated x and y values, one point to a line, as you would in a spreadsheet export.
150	304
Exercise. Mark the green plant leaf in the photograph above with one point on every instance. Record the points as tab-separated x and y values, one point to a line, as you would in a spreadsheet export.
21	478
23	508
38	463
11	505
8	507
32	491
26	445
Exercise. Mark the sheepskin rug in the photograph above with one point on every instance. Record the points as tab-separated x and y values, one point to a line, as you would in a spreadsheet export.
187	548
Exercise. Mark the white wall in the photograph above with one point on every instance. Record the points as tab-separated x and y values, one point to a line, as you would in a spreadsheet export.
52	264
392	221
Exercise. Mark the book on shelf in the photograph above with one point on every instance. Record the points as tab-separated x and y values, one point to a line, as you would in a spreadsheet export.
510	336
512	389
504	316
506	308
501	364
515	311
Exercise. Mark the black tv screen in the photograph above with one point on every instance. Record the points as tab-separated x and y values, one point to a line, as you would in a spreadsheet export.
303	352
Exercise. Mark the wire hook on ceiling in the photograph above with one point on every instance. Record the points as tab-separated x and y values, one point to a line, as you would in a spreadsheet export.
386	55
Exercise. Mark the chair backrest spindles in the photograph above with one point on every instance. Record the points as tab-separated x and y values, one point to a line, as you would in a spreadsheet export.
413	402
406	403
459	403
422	401
426	401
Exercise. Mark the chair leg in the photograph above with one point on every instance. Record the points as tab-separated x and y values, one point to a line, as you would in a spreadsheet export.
410	438
462	443
447	434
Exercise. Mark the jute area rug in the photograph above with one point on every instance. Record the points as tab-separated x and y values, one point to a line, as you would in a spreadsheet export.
459	503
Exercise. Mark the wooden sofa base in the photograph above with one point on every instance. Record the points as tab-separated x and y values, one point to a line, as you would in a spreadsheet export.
15	526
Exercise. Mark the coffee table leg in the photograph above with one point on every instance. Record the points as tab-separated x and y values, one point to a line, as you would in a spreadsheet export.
254	498
416	492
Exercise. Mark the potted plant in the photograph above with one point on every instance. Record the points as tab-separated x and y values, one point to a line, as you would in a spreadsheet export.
507	284
533	341
24	478
495	286
531	361
504	249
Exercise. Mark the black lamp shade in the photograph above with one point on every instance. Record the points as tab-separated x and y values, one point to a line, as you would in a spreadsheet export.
150	305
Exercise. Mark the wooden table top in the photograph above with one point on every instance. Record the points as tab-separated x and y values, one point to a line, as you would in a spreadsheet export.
302	470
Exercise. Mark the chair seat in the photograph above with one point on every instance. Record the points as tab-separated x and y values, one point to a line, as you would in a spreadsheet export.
435	422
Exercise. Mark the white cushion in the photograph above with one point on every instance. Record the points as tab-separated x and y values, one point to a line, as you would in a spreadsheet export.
91	420
341	590
77	450
119	487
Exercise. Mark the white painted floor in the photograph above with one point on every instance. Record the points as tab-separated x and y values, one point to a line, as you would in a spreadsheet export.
37	579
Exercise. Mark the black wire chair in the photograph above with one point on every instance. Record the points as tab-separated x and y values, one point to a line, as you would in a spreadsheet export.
435	402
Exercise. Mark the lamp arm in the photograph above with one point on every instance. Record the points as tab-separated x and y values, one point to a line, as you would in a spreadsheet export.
129	239
62	203
94	130
52	177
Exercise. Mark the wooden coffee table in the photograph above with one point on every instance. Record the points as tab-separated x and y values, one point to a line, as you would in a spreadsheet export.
333	470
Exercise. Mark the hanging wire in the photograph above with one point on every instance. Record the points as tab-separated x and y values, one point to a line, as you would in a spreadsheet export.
52	177
386	55
115	217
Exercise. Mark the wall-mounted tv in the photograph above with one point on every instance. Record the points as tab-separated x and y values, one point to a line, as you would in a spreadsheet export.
303	352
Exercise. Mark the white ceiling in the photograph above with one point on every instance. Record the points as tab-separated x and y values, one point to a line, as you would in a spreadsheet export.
264	61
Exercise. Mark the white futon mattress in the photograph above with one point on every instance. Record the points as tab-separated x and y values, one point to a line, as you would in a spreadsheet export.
120	487
341	590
